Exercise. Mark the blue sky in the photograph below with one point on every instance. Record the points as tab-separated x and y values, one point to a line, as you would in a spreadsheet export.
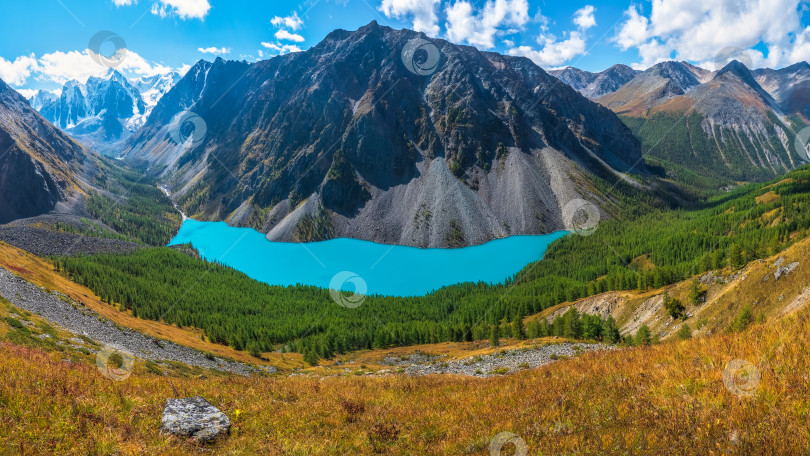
50	37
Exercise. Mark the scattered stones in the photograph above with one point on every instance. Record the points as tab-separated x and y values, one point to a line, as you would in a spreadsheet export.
785	270
194	417
505	361
58	310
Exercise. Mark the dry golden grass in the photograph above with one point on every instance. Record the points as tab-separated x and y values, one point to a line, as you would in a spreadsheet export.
664	399
766	198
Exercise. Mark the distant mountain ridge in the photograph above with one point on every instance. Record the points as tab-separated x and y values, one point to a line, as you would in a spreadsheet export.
344	140
730	125
104	110
595	85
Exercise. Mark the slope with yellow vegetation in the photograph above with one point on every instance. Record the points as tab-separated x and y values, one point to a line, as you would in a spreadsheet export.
725	294
664	399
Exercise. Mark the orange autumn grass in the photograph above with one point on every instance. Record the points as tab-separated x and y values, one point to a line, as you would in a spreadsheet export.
665	399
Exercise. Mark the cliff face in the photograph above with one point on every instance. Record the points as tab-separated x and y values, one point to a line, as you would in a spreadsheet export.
345	140
38	163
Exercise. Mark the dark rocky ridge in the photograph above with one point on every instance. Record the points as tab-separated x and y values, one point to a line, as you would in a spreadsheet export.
342	140
38	163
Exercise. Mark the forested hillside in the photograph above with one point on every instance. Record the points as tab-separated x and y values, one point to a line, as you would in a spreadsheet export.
749	223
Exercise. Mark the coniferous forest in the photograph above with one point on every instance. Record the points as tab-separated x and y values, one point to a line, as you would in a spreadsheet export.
730	230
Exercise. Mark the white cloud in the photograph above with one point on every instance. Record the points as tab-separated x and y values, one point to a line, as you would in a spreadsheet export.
27	93
214	50
699	30
282	48
584	18
59	67
17	72
283	35
479	28
423	13
553	53
124	2
184	9
291	22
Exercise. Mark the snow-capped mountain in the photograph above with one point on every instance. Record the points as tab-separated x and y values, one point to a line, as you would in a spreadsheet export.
105	110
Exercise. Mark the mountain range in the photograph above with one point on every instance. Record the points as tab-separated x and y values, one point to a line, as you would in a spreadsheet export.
105	110
344	140
729	125
347	139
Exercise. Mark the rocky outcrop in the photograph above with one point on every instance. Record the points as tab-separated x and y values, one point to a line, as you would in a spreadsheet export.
194	418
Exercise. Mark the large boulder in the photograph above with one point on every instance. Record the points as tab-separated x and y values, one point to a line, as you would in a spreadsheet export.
194	417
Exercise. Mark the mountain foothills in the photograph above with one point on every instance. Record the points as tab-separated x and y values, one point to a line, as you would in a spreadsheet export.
39	164
711	129
343	140
105	110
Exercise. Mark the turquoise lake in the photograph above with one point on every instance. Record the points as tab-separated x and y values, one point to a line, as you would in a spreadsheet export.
389	270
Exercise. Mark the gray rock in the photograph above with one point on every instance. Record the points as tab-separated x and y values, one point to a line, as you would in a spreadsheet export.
194	417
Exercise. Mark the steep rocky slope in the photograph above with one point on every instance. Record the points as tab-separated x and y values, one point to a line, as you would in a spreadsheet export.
344	140
38	163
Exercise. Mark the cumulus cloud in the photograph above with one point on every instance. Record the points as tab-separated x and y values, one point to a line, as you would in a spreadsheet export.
584	18
421	12
27	93
124	2
16	72
698	30
282	48
554	51
214	50
59	67
184	9
284	35
292	22
479	28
